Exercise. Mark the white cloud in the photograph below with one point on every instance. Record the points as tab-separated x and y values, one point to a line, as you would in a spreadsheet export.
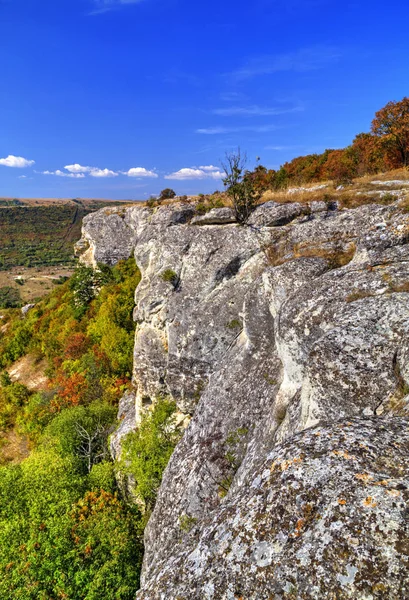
139	172
221	130
209	168
102	6
301	61
16	161
22	176
102	173
254	111
76	168
93	171
194	173
214	130
59	173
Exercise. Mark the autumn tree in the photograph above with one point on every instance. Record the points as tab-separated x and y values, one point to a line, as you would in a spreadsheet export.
392	124
341	165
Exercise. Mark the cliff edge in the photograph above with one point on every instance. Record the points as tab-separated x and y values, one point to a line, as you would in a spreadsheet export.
285	345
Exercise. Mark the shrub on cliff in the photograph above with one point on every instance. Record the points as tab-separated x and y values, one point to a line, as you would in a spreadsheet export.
166	194
147	451
240	186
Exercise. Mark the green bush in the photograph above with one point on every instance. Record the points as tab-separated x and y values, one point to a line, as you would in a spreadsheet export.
167	194
147	451
60	539
82	432
64	531
9	297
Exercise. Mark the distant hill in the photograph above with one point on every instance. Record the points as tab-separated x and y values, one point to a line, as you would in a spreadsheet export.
41	232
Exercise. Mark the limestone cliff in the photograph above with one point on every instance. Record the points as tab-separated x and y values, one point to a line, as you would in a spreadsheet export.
286	342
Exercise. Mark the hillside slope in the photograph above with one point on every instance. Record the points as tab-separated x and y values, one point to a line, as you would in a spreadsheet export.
41	232
286	342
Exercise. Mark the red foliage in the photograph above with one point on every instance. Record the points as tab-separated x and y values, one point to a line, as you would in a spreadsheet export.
101	359
71	389
76	345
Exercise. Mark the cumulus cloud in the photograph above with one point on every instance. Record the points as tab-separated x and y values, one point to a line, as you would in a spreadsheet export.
139	172
79	171
78	168
102	173
209	168
59	173
93	171
195	173
16	161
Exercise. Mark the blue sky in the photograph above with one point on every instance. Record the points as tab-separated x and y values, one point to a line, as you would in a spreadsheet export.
121	98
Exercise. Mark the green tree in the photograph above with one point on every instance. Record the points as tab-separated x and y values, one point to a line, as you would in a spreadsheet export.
166	194
82	432
9	297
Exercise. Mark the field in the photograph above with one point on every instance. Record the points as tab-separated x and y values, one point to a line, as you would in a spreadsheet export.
34	282
42	232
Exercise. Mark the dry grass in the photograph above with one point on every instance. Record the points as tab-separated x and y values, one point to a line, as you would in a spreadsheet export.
13	447
30	371
38	281
357	295
336	253
398	174
360	192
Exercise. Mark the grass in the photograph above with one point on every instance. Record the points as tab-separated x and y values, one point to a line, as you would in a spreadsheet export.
170	276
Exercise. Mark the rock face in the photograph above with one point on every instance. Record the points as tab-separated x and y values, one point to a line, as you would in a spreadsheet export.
259	333
325	516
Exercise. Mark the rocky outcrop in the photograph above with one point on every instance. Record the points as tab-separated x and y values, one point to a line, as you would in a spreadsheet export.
259	333
325	515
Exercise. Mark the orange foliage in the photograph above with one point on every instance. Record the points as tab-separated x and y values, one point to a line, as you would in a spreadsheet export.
384	149
76	345
391	123
70	390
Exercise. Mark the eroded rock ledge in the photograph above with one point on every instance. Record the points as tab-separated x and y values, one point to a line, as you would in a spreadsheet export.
259	333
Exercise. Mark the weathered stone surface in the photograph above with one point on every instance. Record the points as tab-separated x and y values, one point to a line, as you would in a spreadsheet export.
325	515
26	308
272	214
105	238
127	419
216	216
259	333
